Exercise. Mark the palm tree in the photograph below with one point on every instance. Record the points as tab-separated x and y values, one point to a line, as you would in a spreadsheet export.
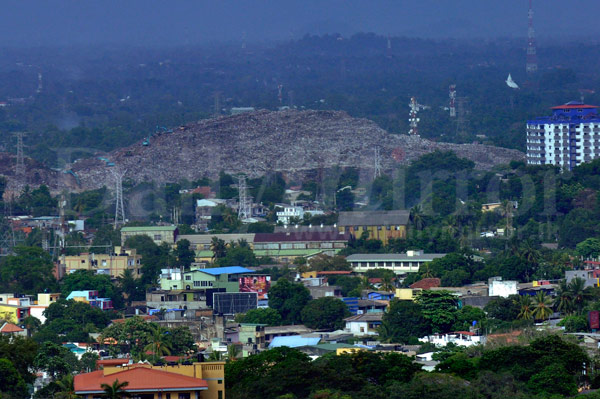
159	345
543	306
417	218
425	270
215	356
116	390
579	292
529	255
218	247
66	388
387	283
564	303
525	307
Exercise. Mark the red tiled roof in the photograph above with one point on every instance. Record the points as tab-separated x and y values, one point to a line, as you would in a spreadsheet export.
427	283
139	378
10	328
145	317
465	333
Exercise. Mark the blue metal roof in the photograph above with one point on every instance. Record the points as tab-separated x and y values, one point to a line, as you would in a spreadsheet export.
293	341
215	271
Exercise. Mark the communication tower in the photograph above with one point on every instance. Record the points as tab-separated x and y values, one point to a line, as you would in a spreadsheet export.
245	204
414	121
280	93
7	236
531	66
452	95
20	167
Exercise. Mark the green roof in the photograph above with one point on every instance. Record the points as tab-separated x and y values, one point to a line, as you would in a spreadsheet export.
148	228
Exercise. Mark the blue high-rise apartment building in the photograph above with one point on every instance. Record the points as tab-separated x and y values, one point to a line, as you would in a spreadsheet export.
567	138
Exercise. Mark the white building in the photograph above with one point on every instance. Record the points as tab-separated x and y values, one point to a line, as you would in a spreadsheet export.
410	262
567	138
364	324
290	212
460	338
504	289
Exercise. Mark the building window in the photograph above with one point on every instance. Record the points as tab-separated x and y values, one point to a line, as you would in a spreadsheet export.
188	278
168	396
158	237
220	395
184	395
219	381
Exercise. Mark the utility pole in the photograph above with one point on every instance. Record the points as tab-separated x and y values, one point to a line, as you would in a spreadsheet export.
217	110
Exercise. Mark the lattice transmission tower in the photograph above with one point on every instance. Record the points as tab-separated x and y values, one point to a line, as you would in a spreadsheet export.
245	203
377	163
414	121
119	206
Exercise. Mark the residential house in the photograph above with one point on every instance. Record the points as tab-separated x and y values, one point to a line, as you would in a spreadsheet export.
410	262
91	297
285	331
158	234
364	324
591	277
204	211
14	309
194	289
194	381
113	264
12	330
371	306
43	301
380	225
325	291
252	338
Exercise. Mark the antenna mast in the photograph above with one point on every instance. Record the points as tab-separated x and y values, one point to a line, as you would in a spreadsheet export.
531	66
414	121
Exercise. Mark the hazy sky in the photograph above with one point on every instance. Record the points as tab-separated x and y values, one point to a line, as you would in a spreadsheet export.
174	22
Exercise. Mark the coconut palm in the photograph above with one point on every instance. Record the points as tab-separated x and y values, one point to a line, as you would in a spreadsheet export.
218	247
564	302
579	293
232	352
417	219
116	390
66	388
159	344
425	270
387	283
542	306
525	307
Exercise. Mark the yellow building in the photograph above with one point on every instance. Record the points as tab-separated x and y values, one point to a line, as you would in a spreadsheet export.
113	264
380	225
194	381
407	294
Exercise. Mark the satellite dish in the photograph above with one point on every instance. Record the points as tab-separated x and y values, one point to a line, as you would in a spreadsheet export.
511	83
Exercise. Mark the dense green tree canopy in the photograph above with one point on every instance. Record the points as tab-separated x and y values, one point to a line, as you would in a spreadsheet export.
325	314
288	299
29	271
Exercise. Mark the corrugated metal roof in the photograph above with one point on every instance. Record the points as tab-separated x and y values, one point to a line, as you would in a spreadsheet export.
293	341
148	228
301	236
207	238
215	271
373	218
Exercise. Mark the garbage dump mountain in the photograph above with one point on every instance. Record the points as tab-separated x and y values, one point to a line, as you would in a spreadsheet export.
293	142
